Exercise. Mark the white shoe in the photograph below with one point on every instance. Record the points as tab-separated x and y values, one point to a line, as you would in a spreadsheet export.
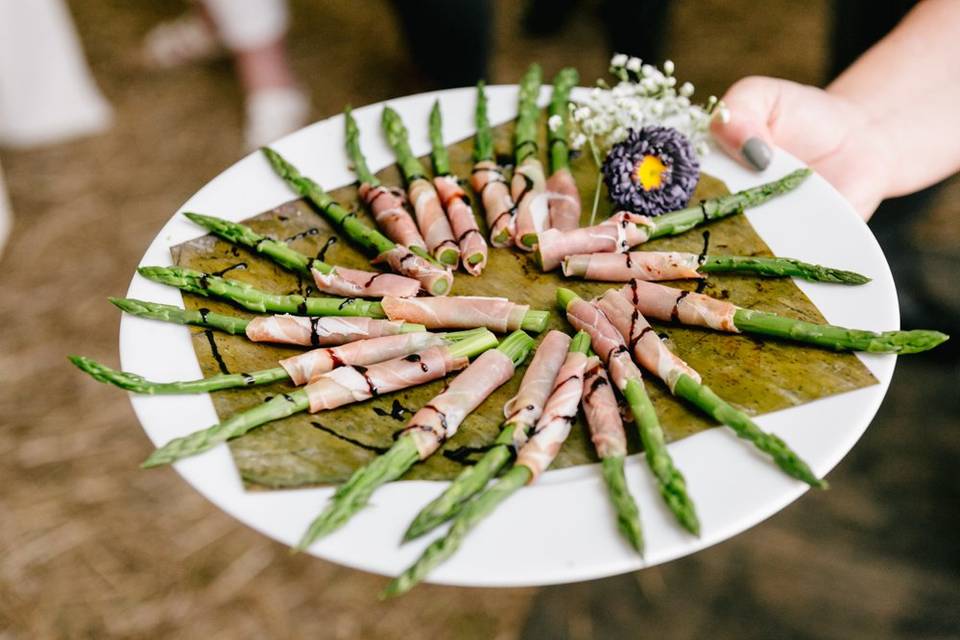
180	41
272	114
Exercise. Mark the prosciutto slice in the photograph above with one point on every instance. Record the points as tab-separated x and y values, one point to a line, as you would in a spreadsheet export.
318	332
623	267
553	427
457	312
616	234
564	201
525	408
462	222
529	191
488	182
602	413
666	303
606	341
401	260
310	365
431	220
345	385
440	419
389	208
646	345
354	283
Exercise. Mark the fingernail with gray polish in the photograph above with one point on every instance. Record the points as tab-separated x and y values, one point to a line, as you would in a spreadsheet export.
757	153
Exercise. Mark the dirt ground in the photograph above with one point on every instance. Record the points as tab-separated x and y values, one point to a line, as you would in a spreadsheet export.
93	547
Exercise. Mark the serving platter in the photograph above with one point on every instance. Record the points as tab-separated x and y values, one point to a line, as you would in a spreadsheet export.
560	529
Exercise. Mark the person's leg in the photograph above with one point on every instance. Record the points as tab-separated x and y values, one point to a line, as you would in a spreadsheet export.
449	40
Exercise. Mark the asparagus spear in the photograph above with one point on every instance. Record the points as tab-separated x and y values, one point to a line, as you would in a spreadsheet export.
683	381
169	313
473	512
277	251
676	222
347	222
563	82
438	152
775	267
483	139
356	492
670	481
412	170
357	158
528	113
276	408
138	384
252	299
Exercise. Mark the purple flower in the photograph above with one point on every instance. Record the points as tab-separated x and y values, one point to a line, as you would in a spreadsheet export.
654	170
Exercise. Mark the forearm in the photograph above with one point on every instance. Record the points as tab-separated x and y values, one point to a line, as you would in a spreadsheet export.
908	86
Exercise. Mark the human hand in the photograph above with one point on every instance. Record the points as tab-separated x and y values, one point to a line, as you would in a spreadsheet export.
828	132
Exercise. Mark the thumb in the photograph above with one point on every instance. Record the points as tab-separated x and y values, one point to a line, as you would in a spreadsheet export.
742	129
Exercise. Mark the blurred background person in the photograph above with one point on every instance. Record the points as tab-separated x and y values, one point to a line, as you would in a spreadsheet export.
253	33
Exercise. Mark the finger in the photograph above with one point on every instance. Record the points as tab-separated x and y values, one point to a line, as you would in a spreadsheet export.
742	128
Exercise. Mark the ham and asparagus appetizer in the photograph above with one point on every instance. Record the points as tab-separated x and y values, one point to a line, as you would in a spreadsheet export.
521	414
299	369
279	329
564	197
533	458
341	386
691	308
678	265
624	230
473	248
488	181
431	219
466	312
528	187
610	441
252	299
612	350
427	430
388	205
684	382
434	279
337	281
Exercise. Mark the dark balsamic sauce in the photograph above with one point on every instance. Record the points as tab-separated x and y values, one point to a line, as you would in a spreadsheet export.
314	334
396	411
415	357
706	245
370	386
215	351
248	379
326	245
312	231
461	455
345	303
675	312
356	443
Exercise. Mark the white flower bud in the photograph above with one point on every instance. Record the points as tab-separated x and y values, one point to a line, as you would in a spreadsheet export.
554	122
633	64
618	60
668	67
686	89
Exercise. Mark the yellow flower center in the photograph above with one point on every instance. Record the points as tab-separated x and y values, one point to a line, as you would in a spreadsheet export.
649	172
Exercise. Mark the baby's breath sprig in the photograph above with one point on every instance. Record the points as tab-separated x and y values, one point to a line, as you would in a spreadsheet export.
644	95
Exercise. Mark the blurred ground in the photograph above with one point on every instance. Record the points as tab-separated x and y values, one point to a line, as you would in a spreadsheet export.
90	546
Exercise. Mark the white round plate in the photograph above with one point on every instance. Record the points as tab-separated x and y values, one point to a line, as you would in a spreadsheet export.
562	528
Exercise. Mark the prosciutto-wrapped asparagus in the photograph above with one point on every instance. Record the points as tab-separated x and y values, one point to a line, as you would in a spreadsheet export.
624	230
340	386
676	265
685	383
431	220
253	299
612	350
338	281
528	187
299	369
429	428
473	248
386	204
488	181
322	332
521	413
669	304
433	278
610	441
564	197
532	459
465	312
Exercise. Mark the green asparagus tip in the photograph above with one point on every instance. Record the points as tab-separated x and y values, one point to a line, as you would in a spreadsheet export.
124	304
565	297
449	256
535	320
914	341
516	346
529	239
580	342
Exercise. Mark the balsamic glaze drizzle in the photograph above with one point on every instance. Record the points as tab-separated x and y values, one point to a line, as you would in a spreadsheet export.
356	443
326	245
461	455
396	410
216	351
312	231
